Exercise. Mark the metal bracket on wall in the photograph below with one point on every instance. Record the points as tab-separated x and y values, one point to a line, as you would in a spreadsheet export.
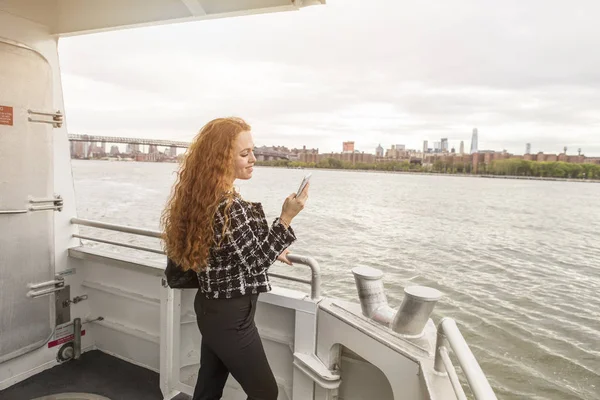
63	305
56	117
45	288
55	203
75	300
38	204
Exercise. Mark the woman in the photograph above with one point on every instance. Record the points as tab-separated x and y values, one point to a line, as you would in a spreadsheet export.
228	242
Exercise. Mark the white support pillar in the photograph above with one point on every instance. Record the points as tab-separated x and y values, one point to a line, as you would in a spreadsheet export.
304	342
170	331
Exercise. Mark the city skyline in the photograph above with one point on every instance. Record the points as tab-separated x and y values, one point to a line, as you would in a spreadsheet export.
452	143
440	147
439	159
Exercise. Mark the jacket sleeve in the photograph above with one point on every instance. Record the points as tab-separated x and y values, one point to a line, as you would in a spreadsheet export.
256	250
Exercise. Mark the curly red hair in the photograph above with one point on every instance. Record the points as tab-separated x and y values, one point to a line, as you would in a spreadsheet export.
205	177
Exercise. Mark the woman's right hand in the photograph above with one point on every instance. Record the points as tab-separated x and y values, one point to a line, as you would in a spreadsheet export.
293	205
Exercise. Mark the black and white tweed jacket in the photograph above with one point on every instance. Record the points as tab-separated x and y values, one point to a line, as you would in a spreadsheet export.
249	247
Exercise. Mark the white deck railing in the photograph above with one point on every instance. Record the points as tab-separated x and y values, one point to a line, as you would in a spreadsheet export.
448	335
314	281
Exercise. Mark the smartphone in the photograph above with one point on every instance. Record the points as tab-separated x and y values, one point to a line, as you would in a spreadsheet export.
304	182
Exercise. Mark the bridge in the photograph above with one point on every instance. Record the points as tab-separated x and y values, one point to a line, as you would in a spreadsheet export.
261	155
125	140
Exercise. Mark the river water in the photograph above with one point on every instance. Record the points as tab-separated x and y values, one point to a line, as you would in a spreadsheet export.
518	261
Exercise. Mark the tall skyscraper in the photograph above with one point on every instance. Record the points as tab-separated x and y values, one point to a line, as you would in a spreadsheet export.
462	147
528	148
445	144
379	151
425	148
474	141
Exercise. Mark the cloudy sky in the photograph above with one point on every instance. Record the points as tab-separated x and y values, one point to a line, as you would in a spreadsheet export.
372	71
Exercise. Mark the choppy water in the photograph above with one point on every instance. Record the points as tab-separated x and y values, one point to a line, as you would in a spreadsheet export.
518	261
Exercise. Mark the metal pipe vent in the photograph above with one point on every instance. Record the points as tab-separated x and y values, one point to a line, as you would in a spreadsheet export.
414	312
371	293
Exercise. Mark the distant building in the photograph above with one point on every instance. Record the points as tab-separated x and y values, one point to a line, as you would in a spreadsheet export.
348	147
114	150
307	155
437	147
133	148
474	141
95	151
379	151
425	146
78	149
391	152
462	147
352	158
172	152
400	147
528	148
445	144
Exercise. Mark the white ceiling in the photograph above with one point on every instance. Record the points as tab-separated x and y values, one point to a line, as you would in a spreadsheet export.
74	17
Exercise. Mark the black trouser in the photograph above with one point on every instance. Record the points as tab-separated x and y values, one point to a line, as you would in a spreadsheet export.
230	343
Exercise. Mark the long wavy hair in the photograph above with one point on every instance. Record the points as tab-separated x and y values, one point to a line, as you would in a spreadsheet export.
204	179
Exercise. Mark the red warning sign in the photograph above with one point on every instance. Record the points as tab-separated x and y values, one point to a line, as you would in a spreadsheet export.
6	115
64	340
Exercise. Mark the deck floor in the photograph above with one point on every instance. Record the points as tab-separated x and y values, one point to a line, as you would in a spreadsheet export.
96	373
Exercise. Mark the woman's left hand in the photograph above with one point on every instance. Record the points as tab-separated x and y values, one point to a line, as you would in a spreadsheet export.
283	257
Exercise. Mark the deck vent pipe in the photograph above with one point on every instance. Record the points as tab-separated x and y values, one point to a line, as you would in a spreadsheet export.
414	312
371	293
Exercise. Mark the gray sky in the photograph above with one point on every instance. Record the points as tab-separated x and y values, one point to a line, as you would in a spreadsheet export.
372	71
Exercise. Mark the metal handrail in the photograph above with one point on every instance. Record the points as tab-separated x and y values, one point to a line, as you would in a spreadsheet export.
448	335
315	280
117	228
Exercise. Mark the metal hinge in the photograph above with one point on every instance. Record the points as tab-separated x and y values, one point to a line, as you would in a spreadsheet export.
56	121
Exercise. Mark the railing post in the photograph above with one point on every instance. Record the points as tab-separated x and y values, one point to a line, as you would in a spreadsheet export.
440	342
315	280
